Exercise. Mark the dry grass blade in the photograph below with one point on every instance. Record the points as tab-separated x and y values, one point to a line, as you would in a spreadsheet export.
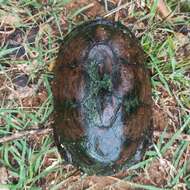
116	9
117	13
27	133
82	10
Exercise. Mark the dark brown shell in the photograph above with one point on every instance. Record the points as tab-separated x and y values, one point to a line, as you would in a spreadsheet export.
102	96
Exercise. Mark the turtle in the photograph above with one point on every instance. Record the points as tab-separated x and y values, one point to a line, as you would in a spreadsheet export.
102	98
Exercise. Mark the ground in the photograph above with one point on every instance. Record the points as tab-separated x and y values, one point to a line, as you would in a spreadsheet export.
30	35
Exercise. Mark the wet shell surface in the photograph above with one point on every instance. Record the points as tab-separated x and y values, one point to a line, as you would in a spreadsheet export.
102	97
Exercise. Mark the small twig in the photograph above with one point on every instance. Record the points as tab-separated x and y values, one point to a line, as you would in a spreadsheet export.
21	134
106	5
81	10
117	13
116	9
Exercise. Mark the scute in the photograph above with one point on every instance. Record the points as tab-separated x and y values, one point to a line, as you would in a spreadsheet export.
102	97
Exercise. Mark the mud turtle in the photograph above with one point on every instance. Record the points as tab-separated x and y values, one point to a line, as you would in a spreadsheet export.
102	98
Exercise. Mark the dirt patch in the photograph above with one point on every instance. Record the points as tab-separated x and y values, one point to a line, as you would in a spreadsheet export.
156	174
36	99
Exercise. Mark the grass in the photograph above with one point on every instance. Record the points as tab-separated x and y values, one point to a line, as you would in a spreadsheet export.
34	162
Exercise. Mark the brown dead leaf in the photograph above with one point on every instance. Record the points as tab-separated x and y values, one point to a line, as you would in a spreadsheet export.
9	19
3	177
160	119
163	9
22	92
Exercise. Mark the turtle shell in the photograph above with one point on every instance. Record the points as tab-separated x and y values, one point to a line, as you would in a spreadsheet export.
102	96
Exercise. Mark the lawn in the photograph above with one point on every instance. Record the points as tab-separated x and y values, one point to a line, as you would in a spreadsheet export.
30	35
